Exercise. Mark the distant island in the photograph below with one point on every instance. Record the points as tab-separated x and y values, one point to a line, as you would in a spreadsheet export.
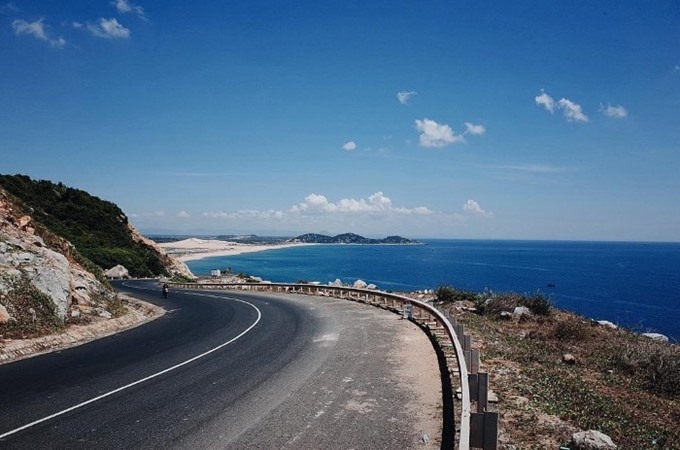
349	238
309	238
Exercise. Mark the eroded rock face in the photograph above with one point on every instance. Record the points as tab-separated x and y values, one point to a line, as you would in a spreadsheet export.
25	258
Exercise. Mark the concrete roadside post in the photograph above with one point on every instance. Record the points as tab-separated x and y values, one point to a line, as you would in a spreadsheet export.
408	311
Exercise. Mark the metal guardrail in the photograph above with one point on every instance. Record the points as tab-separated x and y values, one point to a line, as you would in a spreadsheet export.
476	430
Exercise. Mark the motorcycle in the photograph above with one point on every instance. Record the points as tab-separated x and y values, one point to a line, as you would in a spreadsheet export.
165	291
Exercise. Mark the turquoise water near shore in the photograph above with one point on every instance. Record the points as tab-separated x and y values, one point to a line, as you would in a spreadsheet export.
633	284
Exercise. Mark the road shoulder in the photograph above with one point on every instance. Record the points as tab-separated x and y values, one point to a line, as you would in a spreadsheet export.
139	312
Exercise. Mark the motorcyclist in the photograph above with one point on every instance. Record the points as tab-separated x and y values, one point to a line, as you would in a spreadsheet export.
166	289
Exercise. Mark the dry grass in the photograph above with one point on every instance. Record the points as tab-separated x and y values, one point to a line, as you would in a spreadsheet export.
622	384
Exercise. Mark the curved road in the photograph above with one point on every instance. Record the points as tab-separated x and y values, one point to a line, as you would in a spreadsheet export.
230	370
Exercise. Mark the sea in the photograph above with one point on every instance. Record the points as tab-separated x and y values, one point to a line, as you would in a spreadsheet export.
635	285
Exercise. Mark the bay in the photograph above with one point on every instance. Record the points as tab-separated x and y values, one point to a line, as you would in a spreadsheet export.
633	284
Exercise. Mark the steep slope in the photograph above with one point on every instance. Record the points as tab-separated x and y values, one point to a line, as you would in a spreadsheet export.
46	281
98	229
42	286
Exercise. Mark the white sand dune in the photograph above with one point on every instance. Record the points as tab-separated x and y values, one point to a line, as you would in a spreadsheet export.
194	248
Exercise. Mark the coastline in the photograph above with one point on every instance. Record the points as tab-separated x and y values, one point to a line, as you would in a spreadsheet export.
194	249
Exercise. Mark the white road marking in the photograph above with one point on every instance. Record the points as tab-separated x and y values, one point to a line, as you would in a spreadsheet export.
150	377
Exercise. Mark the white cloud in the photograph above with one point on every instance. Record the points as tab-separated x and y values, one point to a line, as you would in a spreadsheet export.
615	112
405	96
125	7
349	146
473	208
433	134
376	203
152	214
475	130
183	215
38	30
244	214
546	101
108	29
572	111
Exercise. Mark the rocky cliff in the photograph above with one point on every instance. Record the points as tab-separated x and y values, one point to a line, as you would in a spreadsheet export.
45	282
97	228
42	286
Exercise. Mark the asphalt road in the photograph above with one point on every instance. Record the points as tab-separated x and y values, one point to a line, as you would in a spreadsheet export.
220	370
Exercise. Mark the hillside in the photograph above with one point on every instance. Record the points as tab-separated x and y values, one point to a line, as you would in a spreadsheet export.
98	229
349	238
54	243
44	283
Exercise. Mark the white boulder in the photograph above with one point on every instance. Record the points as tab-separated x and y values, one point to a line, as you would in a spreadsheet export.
360	284
607	324
117	272
592	440
520	311
656	336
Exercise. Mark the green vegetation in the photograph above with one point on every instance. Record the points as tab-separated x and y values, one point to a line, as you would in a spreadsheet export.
182	279
492	303
97	228
446	293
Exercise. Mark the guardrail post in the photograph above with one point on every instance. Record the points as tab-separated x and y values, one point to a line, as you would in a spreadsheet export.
482	392
484	430
474	356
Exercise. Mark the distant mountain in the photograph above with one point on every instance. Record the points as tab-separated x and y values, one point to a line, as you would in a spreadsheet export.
349	238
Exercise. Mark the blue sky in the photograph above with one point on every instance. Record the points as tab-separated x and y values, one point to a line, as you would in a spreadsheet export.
484	119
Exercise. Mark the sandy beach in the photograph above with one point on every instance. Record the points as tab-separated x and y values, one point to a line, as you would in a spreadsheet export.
194	248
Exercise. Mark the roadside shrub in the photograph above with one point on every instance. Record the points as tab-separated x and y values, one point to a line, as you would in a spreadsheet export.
449	294
246	278
570	330
538	304
176	278
490	303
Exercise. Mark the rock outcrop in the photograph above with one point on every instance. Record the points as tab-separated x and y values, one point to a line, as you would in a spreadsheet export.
27	263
